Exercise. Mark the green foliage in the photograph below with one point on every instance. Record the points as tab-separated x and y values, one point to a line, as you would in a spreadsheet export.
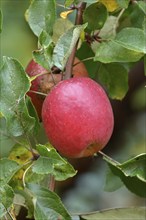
116	87
95	15
132	173
123	3
128	46
50	162
132	39
141	5
109	41
41	16
14	85
47	204
43	56
65	45
1	21
6	199
8	169
113	51
117	214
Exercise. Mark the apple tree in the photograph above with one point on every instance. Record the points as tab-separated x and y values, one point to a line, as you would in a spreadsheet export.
84	53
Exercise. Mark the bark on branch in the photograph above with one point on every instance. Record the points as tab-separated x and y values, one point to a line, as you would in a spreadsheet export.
79	20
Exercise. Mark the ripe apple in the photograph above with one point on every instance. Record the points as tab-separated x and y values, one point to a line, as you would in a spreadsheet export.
45	83
77	117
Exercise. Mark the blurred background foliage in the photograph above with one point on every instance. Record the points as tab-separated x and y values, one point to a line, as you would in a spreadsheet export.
85	192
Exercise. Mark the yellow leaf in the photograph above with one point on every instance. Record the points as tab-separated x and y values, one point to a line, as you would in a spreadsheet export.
1	115
64	14
21	155
111	5
82	36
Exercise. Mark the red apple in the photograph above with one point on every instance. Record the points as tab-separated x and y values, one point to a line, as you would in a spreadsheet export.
45	83
77	117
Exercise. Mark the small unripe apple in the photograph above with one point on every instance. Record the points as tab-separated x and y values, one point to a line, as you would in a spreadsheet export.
77	117
44	83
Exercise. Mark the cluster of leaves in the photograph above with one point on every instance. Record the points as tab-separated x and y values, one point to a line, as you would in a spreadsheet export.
110	39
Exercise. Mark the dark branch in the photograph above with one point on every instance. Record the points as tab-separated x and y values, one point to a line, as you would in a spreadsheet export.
79	20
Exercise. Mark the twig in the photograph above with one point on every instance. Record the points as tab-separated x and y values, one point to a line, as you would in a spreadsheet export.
39	93
86	59
118	18
79	20
109	158
52	183
24	174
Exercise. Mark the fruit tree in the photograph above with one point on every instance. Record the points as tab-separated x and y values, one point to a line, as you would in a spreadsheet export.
64	106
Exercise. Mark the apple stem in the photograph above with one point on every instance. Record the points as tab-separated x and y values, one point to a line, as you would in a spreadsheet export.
81	61
109	158
39	93
79	20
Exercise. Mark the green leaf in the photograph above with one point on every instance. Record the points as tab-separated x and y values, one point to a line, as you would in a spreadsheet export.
110	185
5	139
112	51
123	3
136	16
3	211
1	20
142	6
68	3
65	45
132	173
47	204
32	112
134	213
60	27
115	78
41	16
108	31
26	194
145	65
144	25
20	153
50	162
43	56
95	15
8	168
6	199
135	167
132	39
14	84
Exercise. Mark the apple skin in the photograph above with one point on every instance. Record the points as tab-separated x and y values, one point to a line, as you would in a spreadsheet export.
45	82
77	117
